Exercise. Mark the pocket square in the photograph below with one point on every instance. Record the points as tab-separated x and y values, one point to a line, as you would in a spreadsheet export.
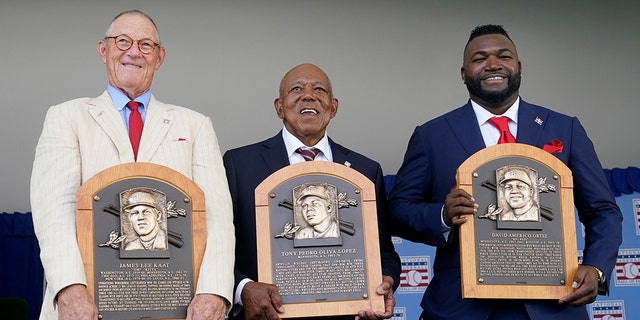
555	146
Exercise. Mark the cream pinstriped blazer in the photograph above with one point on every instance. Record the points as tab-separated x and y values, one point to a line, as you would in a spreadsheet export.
84	136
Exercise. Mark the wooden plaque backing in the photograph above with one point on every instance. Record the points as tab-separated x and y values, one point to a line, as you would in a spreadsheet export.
371	244
471	286
85	208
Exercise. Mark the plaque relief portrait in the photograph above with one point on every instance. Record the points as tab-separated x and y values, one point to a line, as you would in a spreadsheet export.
517	189
518	194
316	212
316	221
143	220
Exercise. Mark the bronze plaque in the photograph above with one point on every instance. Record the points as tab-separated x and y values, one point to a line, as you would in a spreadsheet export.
138	245
318	238
522	242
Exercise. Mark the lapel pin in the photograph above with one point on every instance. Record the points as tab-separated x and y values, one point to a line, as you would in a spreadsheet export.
538	121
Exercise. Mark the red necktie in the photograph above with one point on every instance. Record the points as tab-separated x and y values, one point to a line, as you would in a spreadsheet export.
308	154
502	124
135	127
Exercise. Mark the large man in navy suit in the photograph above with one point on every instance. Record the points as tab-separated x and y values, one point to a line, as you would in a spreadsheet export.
426	208
305	105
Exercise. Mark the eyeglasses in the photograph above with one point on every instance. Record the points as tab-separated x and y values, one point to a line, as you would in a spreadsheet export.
124	42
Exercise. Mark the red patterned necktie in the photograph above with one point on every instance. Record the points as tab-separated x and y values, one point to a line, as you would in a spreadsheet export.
502	124
308	154
135	126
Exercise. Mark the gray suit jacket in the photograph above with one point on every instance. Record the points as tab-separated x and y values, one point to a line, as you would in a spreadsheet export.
84	136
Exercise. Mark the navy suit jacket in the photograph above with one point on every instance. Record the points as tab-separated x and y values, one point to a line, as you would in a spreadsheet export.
248	166
437	148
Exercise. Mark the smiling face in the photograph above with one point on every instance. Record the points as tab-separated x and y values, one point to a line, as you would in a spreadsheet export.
131	71
491	72
517	193
306	104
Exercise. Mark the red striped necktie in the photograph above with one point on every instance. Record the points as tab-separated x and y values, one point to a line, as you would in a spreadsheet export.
308	154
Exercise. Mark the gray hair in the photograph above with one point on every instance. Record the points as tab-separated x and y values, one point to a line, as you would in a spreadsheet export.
134	11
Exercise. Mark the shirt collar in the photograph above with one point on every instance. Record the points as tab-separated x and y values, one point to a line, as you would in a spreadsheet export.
483	115
292	143
120	99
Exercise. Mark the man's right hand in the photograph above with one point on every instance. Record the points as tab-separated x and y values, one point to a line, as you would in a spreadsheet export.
75	303
457	205
261	301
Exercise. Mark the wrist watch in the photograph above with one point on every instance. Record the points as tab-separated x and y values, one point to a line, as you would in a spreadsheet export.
601	278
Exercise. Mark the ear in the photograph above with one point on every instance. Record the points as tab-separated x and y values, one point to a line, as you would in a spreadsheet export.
520	67
279	109
462	75
102	50
334	104
161	56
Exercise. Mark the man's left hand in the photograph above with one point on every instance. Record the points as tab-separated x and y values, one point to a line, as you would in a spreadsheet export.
585	287
386	289
206	306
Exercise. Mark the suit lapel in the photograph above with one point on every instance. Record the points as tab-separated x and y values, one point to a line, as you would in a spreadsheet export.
274	153
110	121
158	121
531	121
339	153
463	124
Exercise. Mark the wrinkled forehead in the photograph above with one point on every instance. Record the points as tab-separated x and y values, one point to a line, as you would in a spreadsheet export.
305	82
134	25
305	74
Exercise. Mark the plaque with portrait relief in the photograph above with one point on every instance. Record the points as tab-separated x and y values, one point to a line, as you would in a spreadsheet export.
317	234
141	232
521	244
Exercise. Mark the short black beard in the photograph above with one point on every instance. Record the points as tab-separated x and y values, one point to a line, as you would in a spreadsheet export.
474	87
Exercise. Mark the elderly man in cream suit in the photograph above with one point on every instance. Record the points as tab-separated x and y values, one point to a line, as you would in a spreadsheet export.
85	136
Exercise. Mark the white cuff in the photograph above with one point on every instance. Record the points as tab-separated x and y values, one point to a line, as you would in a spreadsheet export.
237	298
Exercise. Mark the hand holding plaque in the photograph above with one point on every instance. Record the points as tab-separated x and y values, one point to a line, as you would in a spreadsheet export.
142	256
521	242
316	221
261	298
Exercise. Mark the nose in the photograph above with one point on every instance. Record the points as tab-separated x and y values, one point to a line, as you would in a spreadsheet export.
134	50
493	63
308	94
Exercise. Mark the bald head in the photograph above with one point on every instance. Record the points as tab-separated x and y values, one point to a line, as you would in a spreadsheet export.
306	68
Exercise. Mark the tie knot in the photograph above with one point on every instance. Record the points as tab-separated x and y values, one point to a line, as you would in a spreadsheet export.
501	123
308	153
133	105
